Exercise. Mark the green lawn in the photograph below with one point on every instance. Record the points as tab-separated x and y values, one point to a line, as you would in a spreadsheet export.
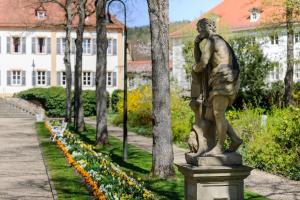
67	183
139	164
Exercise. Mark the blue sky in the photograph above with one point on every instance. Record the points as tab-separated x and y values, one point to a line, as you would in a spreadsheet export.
137	13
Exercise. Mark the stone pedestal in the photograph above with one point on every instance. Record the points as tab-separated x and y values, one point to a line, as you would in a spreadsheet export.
214	182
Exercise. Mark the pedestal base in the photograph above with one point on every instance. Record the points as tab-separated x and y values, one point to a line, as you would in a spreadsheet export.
214	182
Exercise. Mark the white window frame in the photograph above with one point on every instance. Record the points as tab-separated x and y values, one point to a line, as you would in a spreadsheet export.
87	46
109	79
37	46
41	14
63	78
12	46
16	77
41	78
274	38
275	74
87	78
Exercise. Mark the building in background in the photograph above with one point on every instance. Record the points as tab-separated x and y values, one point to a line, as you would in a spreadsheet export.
255	18
32	42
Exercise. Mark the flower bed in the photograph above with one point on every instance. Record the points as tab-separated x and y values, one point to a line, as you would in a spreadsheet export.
106	180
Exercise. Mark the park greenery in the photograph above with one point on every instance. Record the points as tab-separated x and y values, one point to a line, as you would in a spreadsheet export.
53	100
138	166
273	146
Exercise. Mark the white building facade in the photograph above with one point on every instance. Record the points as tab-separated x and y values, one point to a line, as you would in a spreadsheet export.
33	56
243	18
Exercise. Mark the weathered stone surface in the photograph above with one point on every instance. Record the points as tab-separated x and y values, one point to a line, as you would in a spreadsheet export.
226	159
214	182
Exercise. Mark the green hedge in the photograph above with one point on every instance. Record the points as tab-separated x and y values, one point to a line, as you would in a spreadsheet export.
273	147
53	100
115	98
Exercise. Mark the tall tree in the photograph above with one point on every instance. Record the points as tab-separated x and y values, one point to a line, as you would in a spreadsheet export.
288	79
67	59
78	101
67	6
101	128
162	151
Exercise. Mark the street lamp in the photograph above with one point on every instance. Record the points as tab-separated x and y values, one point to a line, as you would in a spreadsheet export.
125	117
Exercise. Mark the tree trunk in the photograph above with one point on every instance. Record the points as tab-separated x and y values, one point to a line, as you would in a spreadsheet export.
101	129
288	80
162	151
78	104
67	61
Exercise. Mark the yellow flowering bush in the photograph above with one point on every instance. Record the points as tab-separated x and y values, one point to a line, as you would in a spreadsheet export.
140	112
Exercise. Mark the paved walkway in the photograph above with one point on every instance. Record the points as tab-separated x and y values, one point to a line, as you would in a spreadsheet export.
265	184
22	171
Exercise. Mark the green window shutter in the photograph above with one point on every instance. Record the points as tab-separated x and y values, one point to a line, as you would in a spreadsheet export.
33	78
114	47
24	45
8	77
58	78
94	45
114	79
73	46
48	77
23	78
58	45
8	44
48	45
33	45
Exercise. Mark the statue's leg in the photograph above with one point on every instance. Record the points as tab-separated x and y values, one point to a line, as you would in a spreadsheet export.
220	104
236	141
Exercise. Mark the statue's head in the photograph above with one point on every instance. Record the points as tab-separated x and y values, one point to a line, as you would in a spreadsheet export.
206	26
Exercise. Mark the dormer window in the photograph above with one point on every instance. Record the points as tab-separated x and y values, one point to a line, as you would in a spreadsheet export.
41	14
254	15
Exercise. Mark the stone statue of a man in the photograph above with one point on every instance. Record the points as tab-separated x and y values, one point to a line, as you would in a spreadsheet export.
215	83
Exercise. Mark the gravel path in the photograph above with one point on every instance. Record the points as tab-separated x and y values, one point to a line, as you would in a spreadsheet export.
265	184
22	171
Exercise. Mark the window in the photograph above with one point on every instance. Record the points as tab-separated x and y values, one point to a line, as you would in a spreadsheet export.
63	78
86	45
275	74
41	14
112	47
16	78
254	15
41	78
109	78
297	37
274	39
41	45
297	71
109	47
61	45
87	78
16	45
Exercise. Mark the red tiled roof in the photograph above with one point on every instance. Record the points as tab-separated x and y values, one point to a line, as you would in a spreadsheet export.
139	66
22	13
235	14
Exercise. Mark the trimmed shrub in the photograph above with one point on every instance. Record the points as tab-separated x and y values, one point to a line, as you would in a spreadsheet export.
53	100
